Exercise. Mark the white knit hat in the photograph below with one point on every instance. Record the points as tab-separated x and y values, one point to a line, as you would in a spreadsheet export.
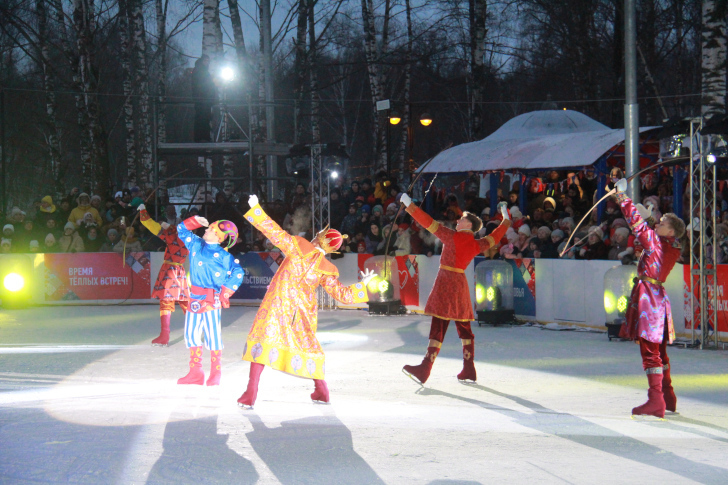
525	230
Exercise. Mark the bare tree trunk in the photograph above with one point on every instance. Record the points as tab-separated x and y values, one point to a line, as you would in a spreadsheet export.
161	17
713	58
131	155
141	80
95	166
405	167
238	36
313	76
478	11
210	25
53	132
300	69
370	50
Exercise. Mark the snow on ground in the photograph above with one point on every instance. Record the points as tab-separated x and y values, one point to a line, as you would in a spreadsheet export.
84	398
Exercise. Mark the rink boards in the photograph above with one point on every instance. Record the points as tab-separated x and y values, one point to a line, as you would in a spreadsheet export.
545	290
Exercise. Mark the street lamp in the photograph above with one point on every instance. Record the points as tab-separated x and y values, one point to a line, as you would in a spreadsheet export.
394	119
227	74
425	119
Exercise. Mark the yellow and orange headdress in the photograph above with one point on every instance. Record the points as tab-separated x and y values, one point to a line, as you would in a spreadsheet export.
330	240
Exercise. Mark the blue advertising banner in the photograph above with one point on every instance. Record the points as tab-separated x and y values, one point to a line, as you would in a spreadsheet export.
259	270
524	285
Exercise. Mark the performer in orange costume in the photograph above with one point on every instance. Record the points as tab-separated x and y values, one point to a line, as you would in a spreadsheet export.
171	284
450	296
283	334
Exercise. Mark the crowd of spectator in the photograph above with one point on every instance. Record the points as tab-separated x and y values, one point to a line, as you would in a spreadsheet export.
364	210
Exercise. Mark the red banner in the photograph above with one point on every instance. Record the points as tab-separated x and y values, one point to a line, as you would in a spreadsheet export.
409	278
721	313
97	276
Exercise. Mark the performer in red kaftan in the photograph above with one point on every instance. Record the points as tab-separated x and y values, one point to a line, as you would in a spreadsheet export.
450	296
171	285
649	317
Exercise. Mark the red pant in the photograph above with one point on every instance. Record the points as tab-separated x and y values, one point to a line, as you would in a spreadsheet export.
653	354
438	328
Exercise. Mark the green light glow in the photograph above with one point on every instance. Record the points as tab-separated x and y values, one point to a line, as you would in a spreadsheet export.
609	303
622	304
490	293
479	293
373	284
383	286
13	282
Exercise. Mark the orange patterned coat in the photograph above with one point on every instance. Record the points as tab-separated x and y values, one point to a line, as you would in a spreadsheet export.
283	335
450	296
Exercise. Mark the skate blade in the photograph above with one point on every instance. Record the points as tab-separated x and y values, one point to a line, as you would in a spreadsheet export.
672	413
247	407
467	382
646	417
412	377
160	345
315	401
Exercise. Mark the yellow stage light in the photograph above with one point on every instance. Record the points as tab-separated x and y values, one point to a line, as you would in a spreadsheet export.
383	286
13	282
479	293
622	304
490	293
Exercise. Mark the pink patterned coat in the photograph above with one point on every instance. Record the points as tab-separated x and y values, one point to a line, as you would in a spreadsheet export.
649	309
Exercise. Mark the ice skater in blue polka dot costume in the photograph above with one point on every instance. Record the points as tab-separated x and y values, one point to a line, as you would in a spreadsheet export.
214	276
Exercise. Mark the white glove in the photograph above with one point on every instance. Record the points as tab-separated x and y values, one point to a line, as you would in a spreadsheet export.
165	225
252	200
694	225
645	212
504	211
366	276
405	199
621	185
141	207
202	221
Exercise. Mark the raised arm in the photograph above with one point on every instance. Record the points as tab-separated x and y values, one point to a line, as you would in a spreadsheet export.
493	239
260	220
641	230
440	232
185	228
356	293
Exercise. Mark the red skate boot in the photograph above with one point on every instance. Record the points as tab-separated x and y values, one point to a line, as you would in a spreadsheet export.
163	339
215	373
195	375
668	393
420	373
468	374
247	400
655	405
321	393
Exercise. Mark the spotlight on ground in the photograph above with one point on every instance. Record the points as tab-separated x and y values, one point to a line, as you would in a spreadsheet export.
16	275
384	288
494	293
618	283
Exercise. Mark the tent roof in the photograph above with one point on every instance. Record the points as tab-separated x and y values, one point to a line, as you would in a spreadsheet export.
539	139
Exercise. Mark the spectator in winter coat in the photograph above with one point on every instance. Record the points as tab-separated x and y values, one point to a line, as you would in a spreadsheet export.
112	240
46	211
595	247
620	248
6	245
373	238
84	206
350	222
130	241
70	242
92	242
402	244
551	251
49	244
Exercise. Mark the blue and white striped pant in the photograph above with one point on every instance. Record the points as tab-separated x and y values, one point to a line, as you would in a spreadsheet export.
208	323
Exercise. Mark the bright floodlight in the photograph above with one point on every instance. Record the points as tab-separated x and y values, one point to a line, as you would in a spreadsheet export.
425	119
334	175
13	282
227	73
711	158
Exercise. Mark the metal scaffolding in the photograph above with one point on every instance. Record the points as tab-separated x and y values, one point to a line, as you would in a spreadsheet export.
703	247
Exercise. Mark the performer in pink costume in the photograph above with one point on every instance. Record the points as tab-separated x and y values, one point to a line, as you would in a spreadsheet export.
649	316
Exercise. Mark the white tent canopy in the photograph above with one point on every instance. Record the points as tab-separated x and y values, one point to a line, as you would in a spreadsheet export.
536	140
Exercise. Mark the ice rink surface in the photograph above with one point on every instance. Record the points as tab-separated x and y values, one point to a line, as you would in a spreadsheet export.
84	398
